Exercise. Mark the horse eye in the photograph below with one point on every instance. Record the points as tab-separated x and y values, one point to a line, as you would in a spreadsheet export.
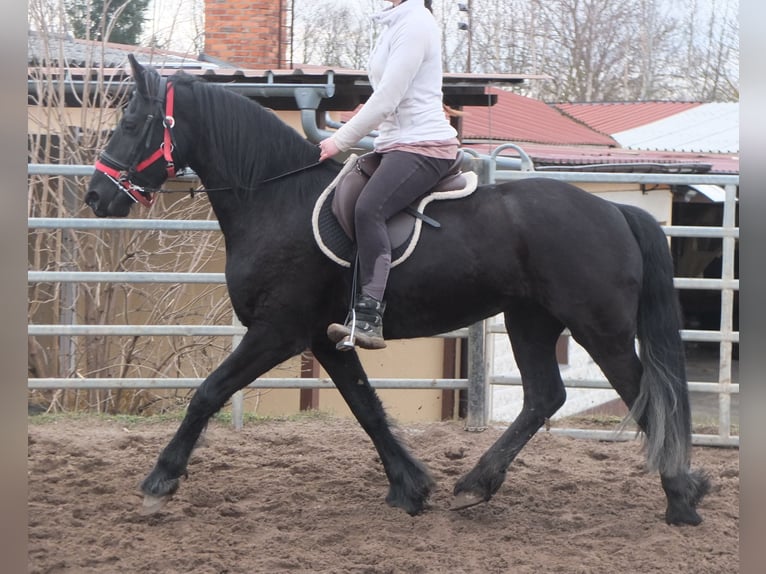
129	124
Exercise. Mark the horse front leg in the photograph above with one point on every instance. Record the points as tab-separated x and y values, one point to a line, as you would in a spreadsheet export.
246	363
410	484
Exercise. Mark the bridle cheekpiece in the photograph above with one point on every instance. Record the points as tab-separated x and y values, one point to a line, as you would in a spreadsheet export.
121	173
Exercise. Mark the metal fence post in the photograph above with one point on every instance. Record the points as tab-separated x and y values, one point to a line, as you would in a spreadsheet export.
478	395
238	399
478	391
727	313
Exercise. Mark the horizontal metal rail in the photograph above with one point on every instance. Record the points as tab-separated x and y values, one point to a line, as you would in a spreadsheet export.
137	330
162	330
212	225
626	435
709	284
231	330
198	277
686	334
122	277
694	386
600	177
136	224
699	231
268	383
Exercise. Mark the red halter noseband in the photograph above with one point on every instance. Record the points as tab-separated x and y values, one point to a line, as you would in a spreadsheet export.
120	174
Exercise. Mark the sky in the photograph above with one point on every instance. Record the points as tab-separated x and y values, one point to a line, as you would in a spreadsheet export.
164	16
174	19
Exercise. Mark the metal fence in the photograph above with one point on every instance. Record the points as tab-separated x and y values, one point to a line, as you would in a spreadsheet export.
726	336
480	376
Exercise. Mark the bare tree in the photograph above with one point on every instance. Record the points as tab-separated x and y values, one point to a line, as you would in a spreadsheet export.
69	126
594	50
708	64
177	25
332	34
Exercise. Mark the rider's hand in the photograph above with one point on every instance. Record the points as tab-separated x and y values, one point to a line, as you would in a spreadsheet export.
328	149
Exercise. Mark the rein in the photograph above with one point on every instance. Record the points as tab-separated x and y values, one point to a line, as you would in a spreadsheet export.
202	189
292	172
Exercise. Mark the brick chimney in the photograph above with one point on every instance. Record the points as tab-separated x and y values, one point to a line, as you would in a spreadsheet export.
250	34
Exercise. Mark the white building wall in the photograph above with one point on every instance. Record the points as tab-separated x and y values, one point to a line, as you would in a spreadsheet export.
506	400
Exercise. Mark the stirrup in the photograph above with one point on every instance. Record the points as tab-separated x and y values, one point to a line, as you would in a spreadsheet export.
355	332
349	341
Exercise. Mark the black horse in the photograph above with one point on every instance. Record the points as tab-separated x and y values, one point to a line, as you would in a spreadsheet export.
544	253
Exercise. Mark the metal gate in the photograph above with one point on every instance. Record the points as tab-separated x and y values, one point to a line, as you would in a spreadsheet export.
479	378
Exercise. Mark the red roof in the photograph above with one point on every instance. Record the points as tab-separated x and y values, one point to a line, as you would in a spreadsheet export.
611	118
520	119
557	137
575	135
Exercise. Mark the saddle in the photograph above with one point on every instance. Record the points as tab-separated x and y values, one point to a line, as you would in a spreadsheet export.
333	216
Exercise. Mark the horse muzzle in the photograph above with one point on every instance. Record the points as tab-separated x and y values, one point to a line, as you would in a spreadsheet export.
106	200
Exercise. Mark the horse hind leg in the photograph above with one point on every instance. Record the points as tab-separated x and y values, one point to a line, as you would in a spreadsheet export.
533	333
665	420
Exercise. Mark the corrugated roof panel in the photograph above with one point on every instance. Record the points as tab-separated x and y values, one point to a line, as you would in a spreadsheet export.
522	119
42	51
620	159
712	128
613	117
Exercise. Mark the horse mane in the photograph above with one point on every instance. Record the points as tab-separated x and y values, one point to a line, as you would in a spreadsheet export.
247	143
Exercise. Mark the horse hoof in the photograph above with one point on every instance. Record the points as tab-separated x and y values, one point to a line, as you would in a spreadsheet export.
465	500
152	504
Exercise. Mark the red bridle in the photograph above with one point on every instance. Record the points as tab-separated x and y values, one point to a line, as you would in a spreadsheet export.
120	174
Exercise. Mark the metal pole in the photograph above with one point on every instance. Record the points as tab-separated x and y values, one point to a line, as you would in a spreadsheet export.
478	392
470	39
478	396
727	312
238	399
69	291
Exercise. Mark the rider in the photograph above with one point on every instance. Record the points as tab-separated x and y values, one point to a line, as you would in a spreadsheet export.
416	143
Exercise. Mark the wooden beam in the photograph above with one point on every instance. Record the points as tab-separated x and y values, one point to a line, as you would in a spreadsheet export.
309	398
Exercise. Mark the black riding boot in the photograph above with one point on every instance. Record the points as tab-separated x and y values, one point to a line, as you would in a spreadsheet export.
368	333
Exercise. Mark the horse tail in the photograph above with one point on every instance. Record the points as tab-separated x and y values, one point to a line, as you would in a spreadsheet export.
662	408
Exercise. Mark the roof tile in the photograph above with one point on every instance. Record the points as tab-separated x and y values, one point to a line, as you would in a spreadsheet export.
613	117
521	119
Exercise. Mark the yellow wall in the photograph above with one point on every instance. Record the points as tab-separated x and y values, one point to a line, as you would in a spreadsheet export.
658	200
412	359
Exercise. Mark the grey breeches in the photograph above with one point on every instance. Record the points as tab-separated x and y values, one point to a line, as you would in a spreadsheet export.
400	179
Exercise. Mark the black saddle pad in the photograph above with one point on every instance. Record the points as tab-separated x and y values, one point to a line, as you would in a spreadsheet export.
337	246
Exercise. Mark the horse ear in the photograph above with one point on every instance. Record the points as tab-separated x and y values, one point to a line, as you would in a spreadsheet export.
139	76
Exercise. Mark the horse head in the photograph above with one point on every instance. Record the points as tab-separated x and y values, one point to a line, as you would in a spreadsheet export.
139	155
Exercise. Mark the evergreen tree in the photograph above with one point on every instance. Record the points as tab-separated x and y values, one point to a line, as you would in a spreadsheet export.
119	21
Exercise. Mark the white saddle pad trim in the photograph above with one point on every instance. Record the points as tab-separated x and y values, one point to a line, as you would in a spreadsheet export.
471	180
471	183
348	165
